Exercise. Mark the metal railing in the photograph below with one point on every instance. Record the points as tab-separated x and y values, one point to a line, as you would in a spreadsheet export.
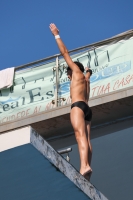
56	63
65	151
56	57
90	46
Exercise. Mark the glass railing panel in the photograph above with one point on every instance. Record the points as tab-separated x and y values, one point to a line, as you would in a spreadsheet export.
32	93
111	65
43	87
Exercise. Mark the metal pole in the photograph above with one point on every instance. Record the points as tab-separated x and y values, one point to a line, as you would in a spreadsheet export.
57	82
65	150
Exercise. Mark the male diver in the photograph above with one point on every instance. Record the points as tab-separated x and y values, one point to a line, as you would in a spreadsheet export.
80	115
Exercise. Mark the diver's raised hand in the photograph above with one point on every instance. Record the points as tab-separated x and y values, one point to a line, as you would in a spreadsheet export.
54	29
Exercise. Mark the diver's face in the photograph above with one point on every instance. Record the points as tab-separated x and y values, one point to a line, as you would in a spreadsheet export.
69	74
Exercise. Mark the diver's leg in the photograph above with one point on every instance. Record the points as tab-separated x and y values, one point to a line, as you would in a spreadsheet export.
88	127
79	126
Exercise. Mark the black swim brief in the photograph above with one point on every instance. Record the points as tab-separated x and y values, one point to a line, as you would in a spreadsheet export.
86	109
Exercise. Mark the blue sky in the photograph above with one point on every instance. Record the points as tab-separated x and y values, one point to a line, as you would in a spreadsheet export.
25	34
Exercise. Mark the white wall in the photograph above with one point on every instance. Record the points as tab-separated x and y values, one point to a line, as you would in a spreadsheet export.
14	138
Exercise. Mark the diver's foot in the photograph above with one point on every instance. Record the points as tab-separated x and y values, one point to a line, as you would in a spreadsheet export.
87	175
85	169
